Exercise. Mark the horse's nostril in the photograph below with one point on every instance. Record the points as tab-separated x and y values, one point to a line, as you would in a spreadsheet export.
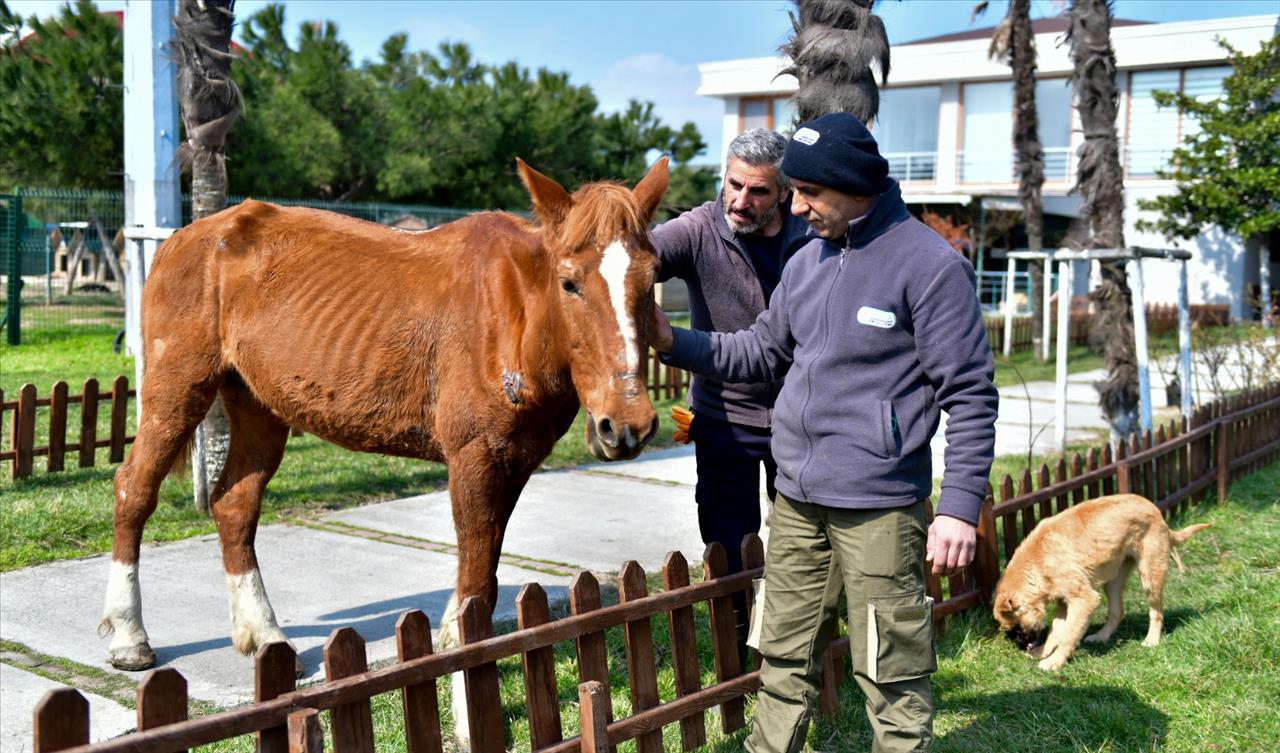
607	435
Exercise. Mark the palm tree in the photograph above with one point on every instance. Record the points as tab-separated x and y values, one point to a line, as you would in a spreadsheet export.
1014	43
210	105
831	51
1101	185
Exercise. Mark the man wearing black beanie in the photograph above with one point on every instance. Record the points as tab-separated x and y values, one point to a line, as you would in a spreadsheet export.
875	325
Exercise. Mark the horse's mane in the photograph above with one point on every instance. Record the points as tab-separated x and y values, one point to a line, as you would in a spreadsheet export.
602	213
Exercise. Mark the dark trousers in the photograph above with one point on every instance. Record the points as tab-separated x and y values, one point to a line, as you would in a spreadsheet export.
729	457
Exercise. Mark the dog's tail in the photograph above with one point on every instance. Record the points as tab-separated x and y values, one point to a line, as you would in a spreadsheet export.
1178	538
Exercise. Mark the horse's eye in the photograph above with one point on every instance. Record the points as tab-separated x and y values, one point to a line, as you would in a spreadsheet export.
569	286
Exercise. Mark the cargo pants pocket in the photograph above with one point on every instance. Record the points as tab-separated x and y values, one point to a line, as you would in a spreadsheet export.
900	637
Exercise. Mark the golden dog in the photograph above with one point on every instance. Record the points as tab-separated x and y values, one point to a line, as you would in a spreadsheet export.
1069	555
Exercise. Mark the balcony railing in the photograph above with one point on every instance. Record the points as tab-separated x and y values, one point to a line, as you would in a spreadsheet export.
910	167
984	167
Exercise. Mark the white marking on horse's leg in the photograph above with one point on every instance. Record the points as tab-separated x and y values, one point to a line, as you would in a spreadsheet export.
461	720
614	265
253	622
122	619
449	640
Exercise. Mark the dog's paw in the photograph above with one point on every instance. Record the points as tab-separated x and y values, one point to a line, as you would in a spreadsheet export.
1098	637
1150	642
1053	662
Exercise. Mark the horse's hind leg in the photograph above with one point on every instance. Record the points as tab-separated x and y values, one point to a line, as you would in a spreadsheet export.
257	445
173	407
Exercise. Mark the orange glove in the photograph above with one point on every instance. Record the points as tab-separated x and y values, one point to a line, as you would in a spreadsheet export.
683	417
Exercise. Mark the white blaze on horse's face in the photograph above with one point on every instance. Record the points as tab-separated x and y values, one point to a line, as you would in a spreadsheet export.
615	264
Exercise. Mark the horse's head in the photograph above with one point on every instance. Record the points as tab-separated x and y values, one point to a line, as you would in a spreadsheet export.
604	270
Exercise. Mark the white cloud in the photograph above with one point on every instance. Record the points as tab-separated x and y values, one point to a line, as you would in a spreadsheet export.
671	86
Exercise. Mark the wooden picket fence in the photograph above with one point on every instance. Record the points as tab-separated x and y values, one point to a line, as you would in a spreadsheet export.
994	326
22	437
1222	442
21	416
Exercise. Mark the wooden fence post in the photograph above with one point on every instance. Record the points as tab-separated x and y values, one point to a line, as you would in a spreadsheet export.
162	699
540	694
1222	437
642	669
986	558
119	417
88	423
61	721
684	651
352	723
57	426
724	637
24	432
484	704
593	662
304	732
420	702
274	674
594	710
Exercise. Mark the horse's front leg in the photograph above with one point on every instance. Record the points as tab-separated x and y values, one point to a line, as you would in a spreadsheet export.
482	498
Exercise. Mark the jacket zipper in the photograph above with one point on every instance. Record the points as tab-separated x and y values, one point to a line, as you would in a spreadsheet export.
808	377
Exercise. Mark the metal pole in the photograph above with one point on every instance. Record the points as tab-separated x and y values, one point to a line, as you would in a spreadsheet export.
152	197
1008	306
1064	337
1140	344
1047	263
1184	339
13	312
1264	278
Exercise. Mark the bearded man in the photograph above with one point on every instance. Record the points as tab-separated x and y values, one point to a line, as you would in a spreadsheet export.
731	252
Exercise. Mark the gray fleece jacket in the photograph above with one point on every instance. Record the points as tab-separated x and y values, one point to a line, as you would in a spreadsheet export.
875	335
725	295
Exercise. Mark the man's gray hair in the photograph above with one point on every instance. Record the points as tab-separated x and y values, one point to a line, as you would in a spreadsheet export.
760	147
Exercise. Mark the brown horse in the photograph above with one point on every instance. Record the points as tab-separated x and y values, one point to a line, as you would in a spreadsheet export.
473	344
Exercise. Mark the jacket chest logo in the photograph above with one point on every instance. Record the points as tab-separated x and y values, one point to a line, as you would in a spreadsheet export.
876	317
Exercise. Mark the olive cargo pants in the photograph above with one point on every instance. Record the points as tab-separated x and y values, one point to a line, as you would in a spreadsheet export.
877	556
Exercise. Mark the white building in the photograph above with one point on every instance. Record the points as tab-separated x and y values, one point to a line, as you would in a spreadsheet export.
945	125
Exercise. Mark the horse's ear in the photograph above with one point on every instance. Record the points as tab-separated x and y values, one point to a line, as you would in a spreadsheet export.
652	186
550	200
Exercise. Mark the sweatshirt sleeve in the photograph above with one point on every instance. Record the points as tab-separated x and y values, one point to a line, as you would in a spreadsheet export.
675	241
953	350
760	353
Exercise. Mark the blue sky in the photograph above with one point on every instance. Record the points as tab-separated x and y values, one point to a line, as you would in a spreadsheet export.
646	49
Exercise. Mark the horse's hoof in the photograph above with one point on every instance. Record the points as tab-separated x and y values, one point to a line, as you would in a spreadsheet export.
132	658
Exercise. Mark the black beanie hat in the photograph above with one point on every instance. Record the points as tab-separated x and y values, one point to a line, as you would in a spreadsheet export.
838	151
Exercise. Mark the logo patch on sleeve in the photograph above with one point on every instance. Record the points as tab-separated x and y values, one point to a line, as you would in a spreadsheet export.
876	317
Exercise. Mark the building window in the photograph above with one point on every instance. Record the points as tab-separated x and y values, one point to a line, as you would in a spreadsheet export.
1053	111
1154	131
774	113
906	131
987	155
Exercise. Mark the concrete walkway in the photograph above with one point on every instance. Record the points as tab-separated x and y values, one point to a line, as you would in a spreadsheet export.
364	566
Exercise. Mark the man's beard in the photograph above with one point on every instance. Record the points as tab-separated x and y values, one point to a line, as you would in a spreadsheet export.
745	228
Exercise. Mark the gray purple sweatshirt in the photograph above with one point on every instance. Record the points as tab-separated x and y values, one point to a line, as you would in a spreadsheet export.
725	294
875	335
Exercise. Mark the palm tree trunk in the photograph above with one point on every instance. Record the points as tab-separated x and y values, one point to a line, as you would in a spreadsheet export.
1101	184
210	105
1030	153
834	44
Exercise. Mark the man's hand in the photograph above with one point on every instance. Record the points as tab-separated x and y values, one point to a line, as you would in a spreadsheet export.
662	337
951	545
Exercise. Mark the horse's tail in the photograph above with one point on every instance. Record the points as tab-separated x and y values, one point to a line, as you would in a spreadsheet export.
181	466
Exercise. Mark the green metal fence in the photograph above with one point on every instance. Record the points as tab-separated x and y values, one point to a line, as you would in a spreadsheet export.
59	255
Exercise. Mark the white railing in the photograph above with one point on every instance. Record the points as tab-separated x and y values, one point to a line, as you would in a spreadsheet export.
986	167
911	167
